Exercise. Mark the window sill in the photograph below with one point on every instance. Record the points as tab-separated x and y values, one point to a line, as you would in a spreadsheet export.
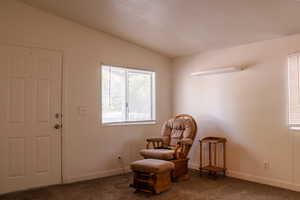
129	123
295	128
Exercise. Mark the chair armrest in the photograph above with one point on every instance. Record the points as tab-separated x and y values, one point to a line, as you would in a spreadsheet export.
182	148
185	141
156	142
158	139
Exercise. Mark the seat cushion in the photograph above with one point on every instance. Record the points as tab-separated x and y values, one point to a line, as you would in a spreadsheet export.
163	154
152	165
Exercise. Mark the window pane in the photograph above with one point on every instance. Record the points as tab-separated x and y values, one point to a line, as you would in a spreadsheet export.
113	94
139	96
294	92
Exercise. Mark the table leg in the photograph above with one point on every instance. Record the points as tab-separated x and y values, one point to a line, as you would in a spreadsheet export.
209	153
215	157
224	157
200	156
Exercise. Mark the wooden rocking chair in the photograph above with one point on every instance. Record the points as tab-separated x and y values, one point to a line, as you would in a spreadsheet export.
175	143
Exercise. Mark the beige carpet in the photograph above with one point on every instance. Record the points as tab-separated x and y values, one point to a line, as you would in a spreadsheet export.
197	188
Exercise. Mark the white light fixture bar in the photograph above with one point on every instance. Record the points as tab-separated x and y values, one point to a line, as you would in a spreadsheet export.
219	70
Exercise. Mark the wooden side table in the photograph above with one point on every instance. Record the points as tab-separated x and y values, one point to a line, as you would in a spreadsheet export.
212	167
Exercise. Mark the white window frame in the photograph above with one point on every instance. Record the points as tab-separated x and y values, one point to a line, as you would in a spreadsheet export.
293	63
153	98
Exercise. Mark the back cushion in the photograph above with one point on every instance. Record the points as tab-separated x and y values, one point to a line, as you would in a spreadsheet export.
175	129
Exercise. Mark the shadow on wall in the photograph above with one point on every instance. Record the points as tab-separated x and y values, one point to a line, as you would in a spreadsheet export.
207	126
236	152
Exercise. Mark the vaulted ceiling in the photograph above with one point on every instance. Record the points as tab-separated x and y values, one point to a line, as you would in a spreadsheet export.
182	27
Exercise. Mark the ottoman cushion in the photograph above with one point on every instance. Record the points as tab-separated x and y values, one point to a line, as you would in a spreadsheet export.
162	154
152	165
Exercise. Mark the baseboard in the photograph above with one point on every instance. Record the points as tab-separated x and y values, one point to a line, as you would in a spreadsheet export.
257	179
193	166
264	180
95	175
88	176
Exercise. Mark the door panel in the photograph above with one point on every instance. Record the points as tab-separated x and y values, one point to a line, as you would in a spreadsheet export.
43	154
16	100
16	157
30	147
43	101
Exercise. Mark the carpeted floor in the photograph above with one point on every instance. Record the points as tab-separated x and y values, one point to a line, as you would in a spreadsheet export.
197	188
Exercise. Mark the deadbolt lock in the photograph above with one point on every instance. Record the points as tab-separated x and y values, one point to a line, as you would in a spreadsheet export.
58	115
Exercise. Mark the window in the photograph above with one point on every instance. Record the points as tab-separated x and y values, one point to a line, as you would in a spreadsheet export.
294	90
128	95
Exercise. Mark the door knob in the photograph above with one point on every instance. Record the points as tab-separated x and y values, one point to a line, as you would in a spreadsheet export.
57	126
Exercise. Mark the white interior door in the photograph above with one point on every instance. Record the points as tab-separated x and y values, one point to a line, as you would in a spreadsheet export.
30	107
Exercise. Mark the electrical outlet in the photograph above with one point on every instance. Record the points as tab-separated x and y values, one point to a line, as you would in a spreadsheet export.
266	165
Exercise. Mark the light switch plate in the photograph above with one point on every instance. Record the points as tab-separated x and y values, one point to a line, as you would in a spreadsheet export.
82	110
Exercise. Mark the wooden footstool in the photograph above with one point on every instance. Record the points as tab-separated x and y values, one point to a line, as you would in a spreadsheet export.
152	175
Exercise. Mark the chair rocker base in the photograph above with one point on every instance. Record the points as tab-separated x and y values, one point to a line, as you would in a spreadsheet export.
181	169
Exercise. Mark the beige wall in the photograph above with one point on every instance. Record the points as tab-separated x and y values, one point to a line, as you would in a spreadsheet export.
249	108
90	150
